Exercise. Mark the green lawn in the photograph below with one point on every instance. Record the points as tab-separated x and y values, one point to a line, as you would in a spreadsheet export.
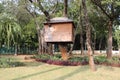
52	72
38	71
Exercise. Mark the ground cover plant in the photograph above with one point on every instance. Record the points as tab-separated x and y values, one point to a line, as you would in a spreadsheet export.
33	70
80	60
6	62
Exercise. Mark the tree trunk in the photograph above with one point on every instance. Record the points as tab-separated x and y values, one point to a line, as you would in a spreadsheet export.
38	31
39	35
50	49
63	50
94	42
109	43
100	44
65	8
81	30
88	36
81	42
119	50
111	15
42	46
63	46
16	49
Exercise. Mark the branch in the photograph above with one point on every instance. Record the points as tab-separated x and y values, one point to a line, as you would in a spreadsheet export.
65	7
112	10
53	11
42	9
98	3
31	1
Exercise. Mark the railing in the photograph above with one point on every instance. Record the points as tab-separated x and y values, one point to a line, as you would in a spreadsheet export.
12	50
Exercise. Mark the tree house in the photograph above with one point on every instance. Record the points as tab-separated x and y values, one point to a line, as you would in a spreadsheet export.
61	31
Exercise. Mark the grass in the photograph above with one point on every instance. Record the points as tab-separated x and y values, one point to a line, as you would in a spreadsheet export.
52	72
40	71
16	61
6	62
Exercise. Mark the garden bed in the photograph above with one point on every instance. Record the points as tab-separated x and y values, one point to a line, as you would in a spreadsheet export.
62	63
72	63
76	61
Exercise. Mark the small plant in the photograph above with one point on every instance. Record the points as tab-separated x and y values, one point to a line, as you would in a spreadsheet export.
55	58
115	59
42	56
79	59
48	57
100	59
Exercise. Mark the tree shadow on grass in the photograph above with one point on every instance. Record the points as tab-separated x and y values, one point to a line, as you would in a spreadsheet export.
38	73
80	69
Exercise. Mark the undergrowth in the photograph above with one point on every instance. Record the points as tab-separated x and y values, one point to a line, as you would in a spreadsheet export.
9	62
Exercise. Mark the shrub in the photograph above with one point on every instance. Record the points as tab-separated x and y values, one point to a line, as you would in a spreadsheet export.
48	57
100	59
42	56
115	59
83	60
9	62
79	59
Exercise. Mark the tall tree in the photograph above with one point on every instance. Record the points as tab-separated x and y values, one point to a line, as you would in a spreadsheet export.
111	10
10	29
81	27
88	36
42	44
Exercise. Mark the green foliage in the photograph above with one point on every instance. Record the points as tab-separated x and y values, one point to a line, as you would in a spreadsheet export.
83	59
1	8
48	57
58	57
114	60
17	25
79	59
9	29
117	36
42	56
100	59
23	16
9	62
103	59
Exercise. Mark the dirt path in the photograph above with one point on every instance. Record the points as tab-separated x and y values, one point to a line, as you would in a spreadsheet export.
25	58
21	58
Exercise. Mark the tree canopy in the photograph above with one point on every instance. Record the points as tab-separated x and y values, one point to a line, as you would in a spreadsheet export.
18	25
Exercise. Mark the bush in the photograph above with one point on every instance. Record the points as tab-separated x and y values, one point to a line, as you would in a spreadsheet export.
115	59
48	57
9	62
79	59
100	59
56	59
42	56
